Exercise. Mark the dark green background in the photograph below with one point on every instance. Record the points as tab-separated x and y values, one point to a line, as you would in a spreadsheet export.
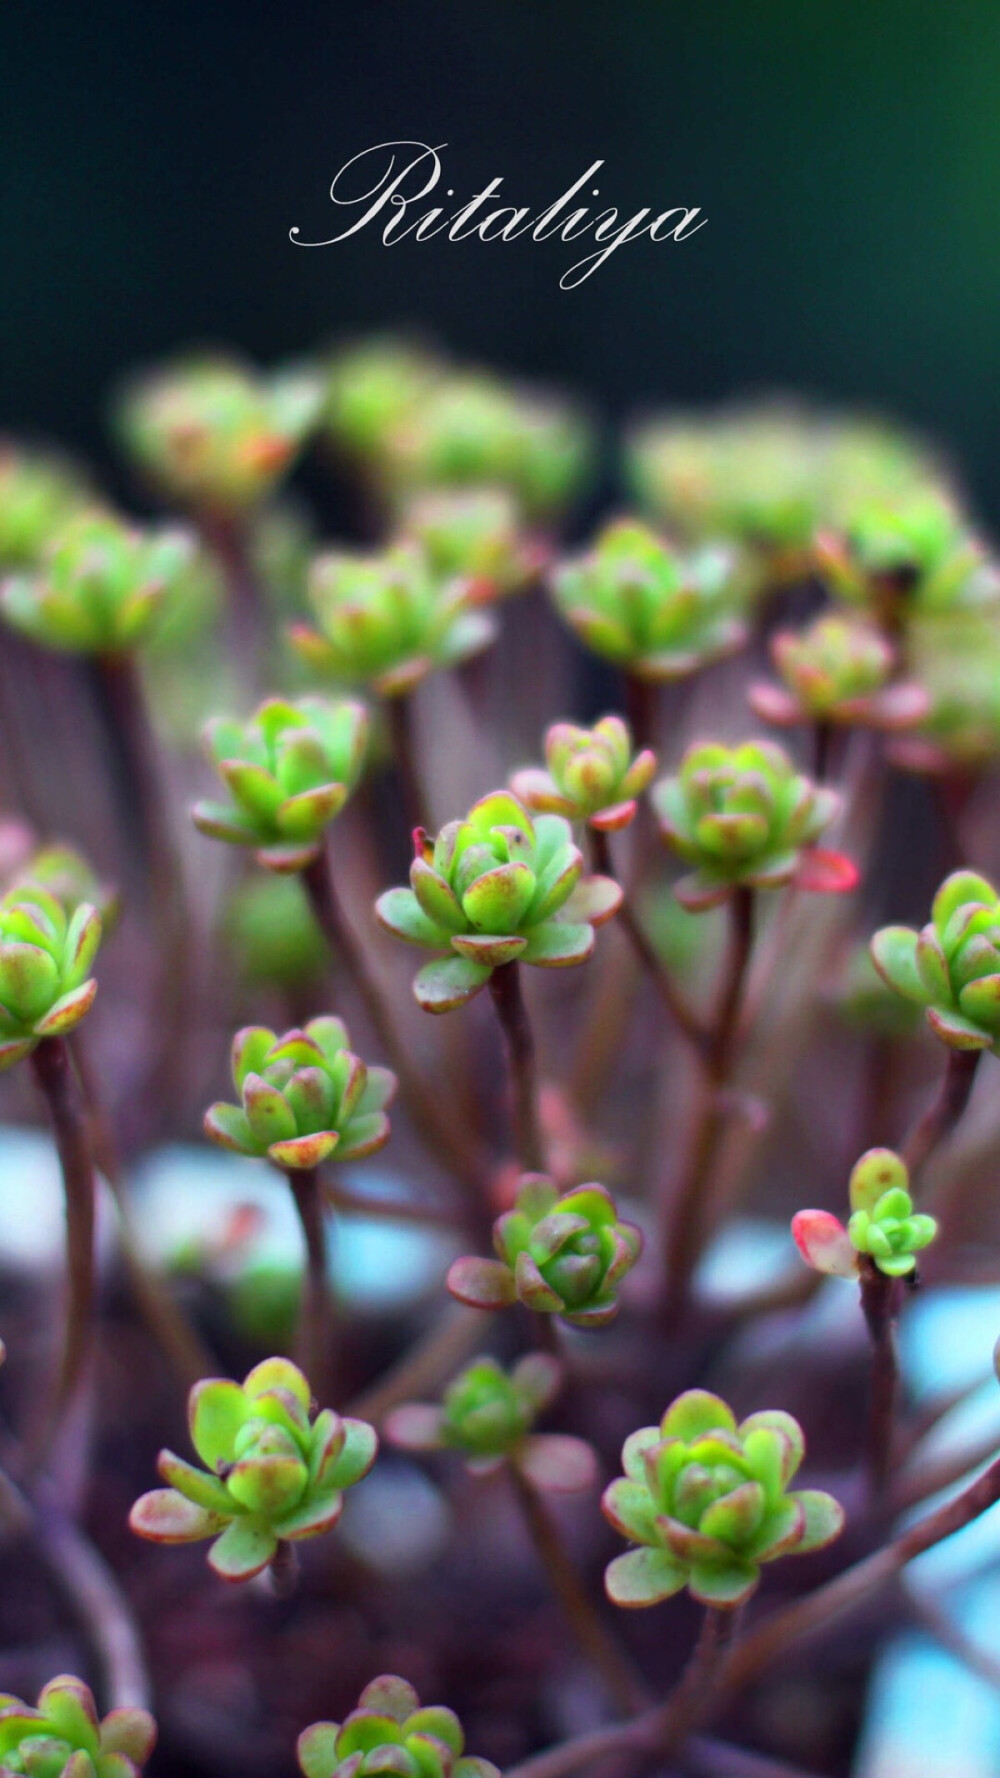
846	154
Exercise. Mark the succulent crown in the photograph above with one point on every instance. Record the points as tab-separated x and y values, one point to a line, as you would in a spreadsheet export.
952	967
838	670
45	960
390	1733
642	604
707	1502
592	775
62	1736
98	586
272	1472
303	1096
38	496
919	549
289	771
883	1224
473	535
386	619
495	888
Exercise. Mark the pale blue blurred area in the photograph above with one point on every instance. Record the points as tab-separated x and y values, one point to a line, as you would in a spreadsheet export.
928	1718
31	1203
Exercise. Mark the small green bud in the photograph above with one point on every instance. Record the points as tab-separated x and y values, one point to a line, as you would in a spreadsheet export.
592	775
45	960
98	585
952	967
272	1474
303	1096
706	1501
63	1735
883	1223
390	1732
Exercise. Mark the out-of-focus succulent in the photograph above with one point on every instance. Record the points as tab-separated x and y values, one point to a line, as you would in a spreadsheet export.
274	935
214	433
706	1500
486	1415
641	603
303	1096
70	877
98	585
592	775
386	619
495	888
289	771
866	1003
838	670
372	386
952	967
475	535
63	1737
915	554
957	659
883	1223
45	959
39	494
272	1473
390	1733
744	816
559	1255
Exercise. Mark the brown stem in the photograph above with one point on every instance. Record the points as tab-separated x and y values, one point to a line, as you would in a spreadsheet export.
940	1119
691	1699
227	536
284	1570
598	1646
54	1077
641	709
505	991
880	1304
399	715
315	1337
673	1001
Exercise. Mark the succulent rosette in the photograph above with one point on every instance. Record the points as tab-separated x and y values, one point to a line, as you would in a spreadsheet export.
98	585
558	1254
216	434
273	1474
952	967
303	1097
743	816
39	494
390	1733
592	774
372	386
707	1502
45	959
838	670
916	553
386	619
63	1737
641	603
883	1224
289	771
475	535
486	1415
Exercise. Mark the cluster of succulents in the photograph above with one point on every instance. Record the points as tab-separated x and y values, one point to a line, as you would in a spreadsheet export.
289	770
495	888
273	1474
952	966
97	586
45	960
838	670
390	1732
707	1503
558	1254
644	605
62	1735
744	817
303	1097
592	775
883	1224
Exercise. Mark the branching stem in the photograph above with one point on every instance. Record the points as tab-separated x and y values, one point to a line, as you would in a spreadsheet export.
880	1305
940	1118
316	1314
673	1001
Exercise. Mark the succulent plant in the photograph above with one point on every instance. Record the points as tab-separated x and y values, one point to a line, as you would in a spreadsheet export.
473	535
63	1737
214	433
372	386
272	1474
706	1500
883	1223
303	1096
744	816
558	1254
390	1733
289	770
840	669
495	888
639	602
45	958
386	619
952	967
97	586
39	494
915	554
957	659
486	1415
274	935
592	775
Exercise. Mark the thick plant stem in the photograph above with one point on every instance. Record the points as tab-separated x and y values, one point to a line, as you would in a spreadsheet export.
449	1147
284	1570
315	1340
641	709
940	1118
686	1230
54	1077
880	1305
673	1001
399	716
505	991
692	1697
599	1647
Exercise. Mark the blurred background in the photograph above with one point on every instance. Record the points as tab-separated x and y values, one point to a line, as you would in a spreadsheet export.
846	155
